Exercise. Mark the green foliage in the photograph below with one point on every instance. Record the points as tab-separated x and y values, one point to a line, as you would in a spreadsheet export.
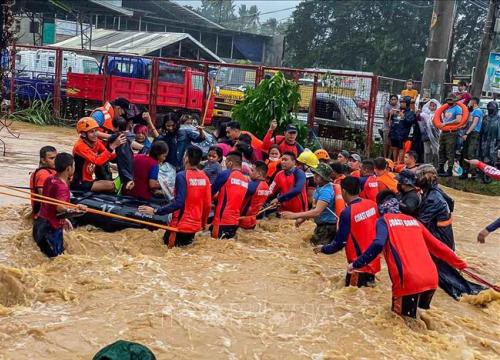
274	98
387	37
39	113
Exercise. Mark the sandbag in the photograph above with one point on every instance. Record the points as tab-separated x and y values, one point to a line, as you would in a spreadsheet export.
124	350
120	205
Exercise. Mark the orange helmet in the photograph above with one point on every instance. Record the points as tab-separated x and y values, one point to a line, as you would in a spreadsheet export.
86	124
322	154
390	164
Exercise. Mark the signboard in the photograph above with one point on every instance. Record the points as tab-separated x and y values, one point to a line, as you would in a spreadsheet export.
492	76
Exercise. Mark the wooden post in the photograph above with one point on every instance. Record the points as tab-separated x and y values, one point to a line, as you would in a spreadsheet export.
153	90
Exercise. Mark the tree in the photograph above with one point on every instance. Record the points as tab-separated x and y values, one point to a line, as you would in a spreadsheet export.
270	27
248	18
383	36
220	11
467	37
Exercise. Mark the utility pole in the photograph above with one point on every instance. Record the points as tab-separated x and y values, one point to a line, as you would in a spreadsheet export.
486	46
443	15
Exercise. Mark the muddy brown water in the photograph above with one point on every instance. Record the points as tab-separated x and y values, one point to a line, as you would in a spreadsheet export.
262	296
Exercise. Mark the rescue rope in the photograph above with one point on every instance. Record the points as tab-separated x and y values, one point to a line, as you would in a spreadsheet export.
260	212
52	201
481	280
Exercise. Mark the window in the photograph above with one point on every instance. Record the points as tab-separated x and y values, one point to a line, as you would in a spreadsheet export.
90	67
197	82
51	61
171	74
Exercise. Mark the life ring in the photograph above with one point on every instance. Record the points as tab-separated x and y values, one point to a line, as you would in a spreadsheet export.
437	118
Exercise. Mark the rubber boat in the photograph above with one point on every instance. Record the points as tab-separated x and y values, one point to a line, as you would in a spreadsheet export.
120	205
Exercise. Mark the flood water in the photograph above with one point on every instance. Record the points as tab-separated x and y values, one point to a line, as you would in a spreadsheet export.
262	296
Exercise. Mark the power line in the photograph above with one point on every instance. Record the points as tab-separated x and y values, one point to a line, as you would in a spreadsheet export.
417	6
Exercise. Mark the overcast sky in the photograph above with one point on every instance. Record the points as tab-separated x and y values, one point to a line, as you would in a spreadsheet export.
262	5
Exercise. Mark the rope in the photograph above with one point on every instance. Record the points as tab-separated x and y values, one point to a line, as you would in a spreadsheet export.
52	201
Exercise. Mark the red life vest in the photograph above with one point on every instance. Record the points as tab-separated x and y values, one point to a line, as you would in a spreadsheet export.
284	182
230	200
42	174
370	190
142	167
109	113
253	204
284	147
194	215
364	217
409	262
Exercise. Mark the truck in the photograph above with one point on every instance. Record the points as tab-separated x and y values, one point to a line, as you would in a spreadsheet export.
35	71
180	88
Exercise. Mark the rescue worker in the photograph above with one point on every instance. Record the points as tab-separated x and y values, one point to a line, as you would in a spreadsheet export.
368	181
488	170
192	202
230	188
307	161
354	163
356	232
409	195
287	142
322	155
105	114
290	186
46	168
255	197
385	178
411	268
435	214
328	204
448	138
338	171
343	157
90	152
471	138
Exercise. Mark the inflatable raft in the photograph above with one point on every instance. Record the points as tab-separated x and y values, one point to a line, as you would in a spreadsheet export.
120	205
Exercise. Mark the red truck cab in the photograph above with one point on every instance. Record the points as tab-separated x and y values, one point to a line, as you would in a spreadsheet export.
180	88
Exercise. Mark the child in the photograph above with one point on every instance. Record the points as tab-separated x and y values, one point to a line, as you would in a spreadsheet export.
46	168
48	227
213	166
124	154
141	137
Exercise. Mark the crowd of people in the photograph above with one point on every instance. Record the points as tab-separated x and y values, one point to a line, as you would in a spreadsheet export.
446	148
358	204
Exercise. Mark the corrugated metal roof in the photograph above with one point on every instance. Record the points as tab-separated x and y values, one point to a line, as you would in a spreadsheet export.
134	42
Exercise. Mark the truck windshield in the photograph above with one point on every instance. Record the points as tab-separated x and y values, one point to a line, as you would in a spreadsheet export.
90	67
